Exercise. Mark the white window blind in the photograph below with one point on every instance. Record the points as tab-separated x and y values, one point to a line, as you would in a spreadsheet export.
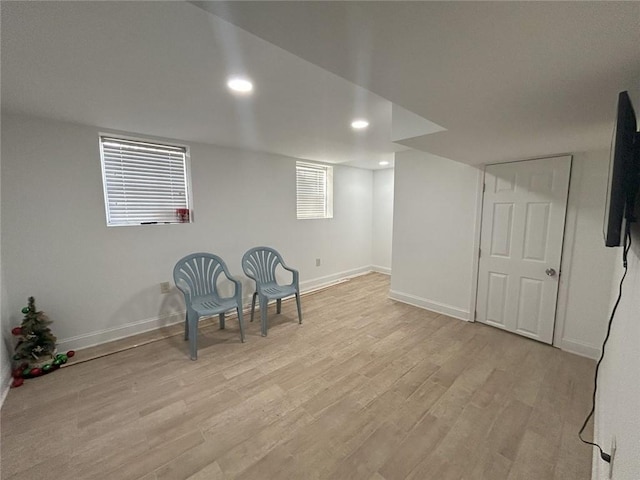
143	182
314	187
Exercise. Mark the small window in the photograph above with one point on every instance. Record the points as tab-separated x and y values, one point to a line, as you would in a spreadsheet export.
314	187
144	182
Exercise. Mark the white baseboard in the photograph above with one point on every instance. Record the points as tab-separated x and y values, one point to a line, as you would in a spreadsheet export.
5	385
321	282
430	305
122	331
579	348
116	333
379	269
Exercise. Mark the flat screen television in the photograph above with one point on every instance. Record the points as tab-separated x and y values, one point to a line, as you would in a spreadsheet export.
624	173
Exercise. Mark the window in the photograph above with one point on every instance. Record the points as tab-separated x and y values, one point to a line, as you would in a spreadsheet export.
314	188
144	182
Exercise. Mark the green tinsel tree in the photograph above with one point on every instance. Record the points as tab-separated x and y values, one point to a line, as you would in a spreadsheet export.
36	339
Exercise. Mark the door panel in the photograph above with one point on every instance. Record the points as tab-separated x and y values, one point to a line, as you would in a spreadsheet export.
501	234
536	231
524	209
530	306
497	297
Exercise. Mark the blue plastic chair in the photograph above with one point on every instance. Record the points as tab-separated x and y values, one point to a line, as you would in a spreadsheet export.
196	276
260	265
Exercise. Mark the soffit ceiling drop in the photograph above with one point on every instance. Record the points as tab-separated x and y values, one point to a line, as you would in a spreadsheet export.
507	80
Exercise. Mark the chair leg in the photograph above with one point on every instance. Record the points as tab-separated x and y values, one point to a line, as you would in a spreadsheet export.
193	337
186	326
240	321
221	316
253	304
299	308
279	306
263	315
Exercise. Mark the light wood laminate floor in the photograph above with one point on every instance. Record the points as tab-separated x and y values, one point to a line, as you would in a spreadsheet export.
367	388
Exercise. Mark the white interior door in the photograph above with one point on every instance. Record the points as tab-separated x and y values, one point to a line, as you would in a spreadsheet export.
523	217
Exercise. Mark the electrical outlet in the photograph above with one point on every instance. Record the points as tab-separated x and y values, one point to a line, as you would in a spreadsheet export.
165	287
317	262
613	456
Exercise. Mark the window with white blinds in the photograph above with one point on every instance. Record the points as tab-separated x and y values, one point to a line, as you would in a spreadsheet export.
314	188
144	182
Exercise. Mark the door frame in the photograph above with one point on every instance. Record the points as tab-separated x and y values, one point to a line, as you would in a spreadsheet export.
566	253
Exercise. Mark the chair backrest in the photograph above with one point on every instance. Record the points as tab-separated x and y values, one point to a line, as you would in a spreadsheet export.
199	273
260	264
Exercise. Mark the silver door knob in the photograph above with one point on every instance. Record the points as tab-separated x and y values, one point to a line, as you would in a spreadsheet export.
551	272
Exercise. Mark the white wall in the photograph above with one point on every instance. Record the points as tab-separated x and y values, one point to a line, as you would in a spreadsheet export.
382	219
619	379
100	283
6	345
587	266
433	232
433	255
5	341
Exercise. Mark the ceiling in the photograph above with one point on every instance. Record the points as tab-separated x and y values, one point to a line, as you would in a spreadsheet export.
505	80
160	68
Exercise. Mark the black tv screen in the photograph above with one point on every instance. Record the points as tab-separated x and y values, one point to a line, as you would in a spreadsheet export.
623	174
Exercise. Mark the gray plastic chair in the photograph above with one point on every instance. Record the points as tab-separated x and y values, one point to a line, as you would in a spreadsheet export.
196	276
259	264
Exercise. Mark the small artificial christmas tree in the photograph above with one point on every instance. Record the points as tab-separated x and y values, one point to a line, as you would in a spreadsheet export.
36	342
35	352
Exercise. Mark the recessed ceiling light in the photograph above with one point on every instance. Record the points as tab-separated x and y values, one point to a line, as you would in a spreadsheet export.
240	85
383	163
359	124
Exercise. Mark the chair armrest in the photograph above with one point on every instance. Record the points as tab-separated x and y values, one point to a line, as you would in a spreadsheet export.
238	295
295	273
237	282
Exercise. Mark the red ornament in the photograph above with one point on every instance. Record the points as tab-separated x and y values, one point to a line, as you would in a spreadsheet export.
16	331
71	353
36	372
17	373
17	382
